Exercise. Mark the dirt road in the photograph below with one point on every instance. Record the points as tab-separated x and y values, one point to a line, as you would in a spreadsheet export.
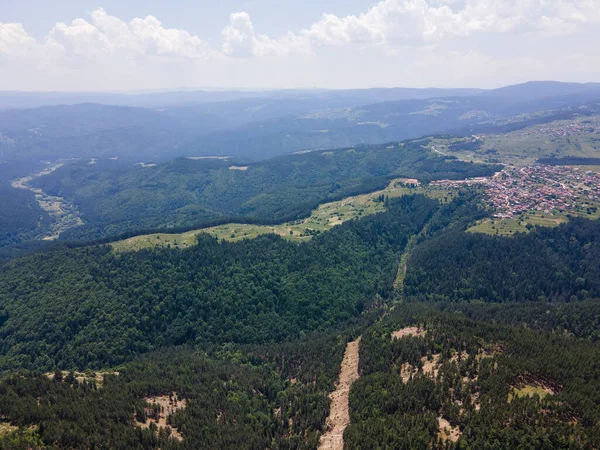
339	414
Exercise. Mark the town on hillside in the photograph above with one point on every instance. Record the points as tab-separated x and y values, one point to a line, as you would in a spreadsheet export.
541	188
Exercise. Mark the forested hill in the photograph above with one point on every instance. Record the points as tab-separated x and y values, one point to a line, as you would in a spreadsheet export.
114	198
490	386
547	264
462	384
91	308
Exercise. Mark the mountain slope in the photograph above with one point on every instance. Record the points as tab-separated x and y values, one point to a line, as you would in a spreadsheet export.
115	198
91	307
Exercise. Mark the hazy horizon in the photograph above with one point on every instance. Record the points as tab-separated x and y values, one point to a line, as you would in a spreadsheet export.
159	90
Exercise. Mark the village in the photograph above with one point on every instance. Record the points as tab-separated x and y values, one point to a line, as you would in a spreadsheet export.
540	188
571	129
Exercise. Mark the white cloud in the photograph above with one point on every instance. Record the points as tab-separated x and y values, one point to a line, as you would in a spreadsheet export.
333	30
467	38
239	39
419	22
108	36
14	40
388	23
582	11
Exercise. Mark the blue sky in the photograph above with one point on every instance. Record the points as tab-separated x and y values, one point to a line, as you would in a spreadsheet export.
134	44
201	17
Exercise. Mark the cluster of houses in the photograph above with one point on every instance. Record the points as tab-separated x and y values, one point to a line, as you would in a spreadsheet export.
540	188
571	129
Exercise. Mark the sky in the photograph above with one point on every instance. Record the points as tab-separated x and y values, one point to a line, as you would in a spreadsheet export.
110	45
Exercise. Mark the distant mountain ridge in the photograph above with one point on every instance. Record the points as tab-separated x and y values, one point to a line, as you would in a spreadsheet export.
528	90
257	126
27	100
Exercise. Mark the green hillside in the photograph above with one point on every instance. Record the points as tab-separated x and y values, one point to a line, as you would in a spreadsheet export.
91	308
115	198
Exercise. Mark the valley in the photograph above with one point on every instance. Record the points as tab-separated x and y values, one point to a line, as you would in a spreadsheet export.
64	215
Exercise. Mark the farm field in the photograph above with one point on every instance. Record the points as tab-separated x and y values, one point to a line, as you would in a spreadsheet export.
579	137
576	137
508	227
325	217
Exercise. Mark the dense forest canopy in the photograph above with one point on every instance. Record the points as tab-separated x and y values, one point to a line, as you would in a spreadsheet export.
548	264
472	375
91	307
275	395
21	218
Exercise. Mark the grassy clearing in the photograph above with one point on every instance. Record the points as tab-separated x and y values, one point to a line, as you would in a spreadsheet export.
6	428
575	137
322	219
526	146
508	227
89	376
528	391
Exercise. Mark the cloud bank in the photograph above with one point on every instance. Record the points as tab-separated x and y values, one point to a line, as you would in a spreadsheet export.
390	28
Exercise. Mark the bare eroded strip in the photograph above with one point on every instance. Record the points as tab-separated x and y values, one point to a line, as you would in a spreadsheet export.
339	414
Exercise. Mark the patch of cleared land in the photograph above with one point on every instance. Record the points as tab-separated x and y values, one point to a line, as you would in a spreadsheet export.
339	414
529	391
508	227
97	377
447	432
325	217
6	428
432	363
406	371
430	368
578	137
161	408
529	385
408	331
